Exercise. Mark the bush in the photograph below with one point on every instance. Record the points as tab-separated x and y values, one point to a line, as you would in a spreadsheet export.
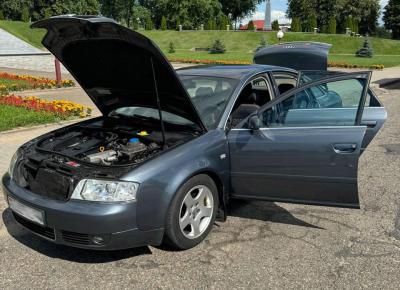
275	25
312	22
171	48
263	43
332	25
149	23
250	26
218	47
25	14
366	50
163	23
296	24
1	15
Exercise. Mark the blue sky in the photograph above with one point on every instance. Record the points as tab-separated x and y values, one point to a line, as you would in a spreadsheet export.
279	10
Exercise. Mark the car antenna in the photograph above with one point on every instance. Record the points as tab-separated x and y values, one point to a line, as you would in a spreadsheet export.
158	102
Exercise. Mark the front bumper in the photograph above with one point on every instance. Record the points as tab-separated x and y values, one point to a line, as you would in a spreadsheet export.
78	223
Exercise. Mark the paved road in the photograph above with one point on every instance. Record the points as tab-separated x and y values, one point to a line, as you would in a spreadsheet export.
262	245
10	44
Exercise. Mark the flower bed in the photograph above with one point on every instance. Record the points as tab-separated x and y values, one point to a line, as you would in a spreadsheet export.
12	82
60	108
229	62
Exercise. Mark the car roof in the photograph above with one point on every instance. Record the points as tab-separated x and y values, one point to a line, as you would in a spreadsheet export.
230	71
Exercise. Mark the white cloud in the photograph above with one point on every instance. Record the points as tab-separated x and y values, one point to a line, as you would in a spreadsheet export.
276	15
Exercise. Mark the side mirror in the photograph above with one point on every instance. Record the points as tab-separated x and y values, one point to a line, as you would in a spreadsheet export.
254	122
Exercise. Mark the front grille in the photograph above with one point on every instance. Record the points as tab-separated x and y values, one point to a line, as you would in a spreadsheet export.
42	231
75	238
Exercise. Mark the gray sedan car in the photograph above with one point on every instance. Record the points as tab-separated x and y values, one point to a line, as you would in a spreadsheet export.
172	148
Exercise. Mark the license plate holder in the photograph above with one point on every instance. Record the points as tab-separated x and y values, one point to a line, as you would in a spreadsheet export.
32	214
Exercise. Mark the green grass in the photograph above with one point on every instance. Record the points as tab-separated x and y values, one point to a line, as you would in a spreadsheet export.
8	82
240	44
13	117
23	31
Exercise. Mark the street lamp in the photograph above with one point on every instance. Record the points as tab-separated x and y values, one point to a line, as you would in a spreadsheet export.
280	35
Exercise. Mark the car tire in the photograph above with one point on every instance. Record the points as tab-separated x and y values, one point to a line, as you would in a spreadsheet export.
198	212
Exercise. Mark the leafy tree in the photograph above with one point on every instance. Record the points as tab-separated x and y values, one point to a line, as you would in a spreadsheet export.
223	22
275	25
250	25
83	7
25	17
1	15
171	48
164	23
218	47
312	22
366	50
296	24
239	9
332	25
391	17
149	25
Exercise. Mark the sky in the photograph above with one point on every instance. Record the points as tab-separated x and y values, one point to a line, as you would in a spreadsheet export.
279	8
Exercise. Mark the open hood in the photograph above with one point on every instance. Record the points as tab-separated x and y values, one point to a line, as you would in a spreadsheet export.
295	55
114	65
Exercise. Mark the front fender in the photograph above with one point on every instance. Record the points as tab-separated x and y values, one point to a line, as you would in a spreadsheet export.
162	177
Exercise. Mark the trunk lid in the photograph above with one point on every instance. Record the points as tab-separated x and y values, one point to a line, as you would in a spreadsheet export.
295	55
114	65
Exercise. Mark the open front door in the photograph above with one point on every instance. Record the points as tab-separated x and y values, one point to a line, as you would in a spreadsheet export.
308	145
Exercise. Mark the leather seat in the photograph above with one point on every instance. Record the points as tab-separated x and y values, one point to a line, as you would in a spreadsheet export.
244	110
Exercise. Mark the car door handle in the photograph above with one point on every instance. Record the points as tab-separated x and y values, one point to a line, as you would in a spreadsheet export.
369	124
345	148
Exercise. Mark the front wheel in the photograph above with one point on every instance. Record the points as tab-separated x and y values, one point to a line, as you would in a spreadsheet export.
192	212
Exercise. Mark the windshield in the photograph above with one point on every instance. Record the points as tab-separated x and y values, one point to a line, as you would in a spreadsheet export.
209	95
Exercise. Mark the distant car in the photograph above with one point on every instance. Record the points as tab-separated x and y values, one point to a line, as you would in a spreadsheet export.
174	147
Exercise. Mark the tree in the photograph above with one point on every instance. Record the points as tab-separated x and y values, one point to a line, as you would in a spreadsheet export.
312	23
296	25
25	17
332	25
1	15
218	47
250	25
391	17
149	25
275	25
164	23
239	9
366	50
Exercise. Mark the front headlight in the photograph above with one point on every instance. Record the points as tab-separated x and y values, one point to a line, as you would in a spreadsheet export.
13	162
106	191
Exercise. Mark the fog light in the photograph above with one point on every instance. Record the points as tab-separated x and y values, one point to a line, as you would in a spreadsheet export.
98	240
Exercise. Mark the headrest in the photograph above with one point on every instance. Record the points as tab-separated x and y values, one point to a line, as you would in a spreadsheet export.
204	92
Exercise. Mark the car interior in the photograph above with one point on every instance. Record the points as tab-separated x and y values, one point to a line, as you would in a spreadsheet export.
253	96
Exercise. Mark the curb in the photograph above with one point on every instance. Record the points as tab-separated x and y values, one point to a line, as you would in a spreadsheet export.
62	123
45	90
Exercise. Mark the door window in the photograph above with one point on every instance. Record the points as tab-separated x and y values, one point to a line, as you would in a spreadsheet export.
328	104
285	81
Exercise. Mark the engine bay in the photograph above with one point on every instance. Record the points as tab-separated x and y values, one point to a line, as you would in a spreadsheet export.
110	146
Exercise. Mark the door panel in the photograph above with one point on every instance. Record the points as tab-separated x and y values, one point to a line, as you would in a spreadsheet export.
296	165
373	118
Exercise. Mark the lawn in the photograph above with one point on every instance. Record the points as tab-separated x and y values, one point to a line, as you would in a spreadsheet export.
239	45
12	117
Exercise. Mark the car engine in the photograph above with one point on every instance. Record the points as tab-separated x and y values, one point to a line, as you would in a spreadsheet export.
103	147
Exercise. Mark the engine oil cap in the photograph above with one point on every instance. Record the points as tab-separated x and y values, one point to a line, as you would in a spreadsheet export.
134	140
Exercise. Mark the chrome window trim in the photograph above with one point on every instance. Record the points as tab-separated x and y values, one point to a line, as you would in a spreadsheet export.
301	128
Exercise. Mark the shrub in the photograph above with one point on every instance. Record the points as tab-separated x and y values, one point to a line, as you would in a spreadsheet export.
332	25
25	14
250	26
312	22
275	25
296	24
171	48
149	23
263	43
1	15
163	23
218	47
366	50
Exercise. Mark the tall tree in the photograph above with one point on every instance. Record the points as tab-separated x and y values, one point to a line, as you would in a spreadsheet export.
391	17
239	9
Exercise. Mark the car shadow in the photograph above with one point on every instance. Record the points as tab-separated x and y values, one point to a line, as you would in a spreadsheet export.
265	211
64	252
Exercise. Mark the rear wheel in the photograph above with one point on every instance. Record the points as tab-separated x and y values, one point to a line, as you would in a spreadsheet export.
192	212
